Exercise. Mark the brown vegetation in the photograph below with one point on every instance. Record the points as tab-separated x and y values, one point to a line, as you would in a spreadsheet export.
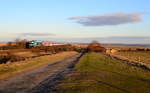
95	47
10	58
8	52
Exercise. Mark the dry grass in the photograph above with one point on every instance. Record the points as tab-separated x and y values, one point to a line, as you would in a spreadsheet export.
139	56
25	54
18	55
3	44
124	47
7	70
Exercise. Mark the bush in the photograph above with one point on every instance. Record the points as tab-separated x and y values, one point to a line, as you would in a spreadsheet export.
10	57
147	49
140	49
95	47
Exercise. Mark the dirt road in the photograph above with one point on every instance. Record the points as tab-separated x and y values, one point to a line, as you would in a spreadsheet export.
38	80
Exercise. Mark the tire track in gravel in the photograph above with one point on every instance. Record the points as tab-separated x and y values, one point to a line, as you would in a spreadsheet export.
40	80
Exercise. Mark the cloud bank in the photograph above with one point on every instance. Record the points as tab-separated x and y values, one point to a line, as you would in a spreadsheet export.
37	34
108	19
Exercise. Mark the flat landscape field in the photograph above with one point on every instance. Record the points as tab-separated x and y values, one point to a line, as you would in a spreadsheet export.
137	56
97	73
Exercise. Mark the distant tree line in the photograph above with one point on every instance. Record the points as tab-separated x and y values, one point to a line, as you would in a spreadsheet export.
22	44
19	44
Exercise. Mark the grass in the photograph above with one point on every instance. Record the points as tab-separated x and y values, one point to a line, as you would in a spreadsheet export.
10	69
97	73
137	56
13	56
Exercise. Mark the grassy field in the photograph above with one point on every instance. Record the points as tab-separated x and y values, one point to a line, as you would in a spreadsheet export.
7	70
137	56
96	73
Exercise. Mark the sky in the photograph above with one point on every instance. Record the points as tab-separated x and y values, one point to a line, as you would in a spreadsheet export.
108	21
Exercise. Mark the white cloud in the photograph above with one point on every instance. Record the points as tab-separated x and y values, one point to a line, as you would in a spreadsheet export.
108	19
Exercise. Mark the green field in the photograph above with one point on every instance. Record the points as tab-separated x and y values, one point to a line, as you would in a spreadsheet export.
137	56
97	73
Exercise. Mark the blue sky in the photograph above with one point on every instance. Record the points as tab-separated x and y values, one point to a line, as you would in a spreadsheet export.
19	17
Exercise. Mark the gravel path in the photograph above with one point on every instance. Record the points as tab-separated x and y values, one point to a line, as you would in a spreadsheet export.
38	80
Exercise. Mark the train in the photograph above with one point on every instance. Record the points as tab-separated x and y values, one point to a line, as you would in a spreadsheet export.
35	43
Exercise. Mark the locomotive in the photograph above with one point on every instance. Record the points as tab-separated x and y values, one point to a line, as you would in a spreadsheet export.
35	43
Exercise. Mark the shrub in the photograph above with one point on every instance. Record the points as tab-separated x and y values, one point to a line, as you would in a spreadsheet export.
95	47
10	57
